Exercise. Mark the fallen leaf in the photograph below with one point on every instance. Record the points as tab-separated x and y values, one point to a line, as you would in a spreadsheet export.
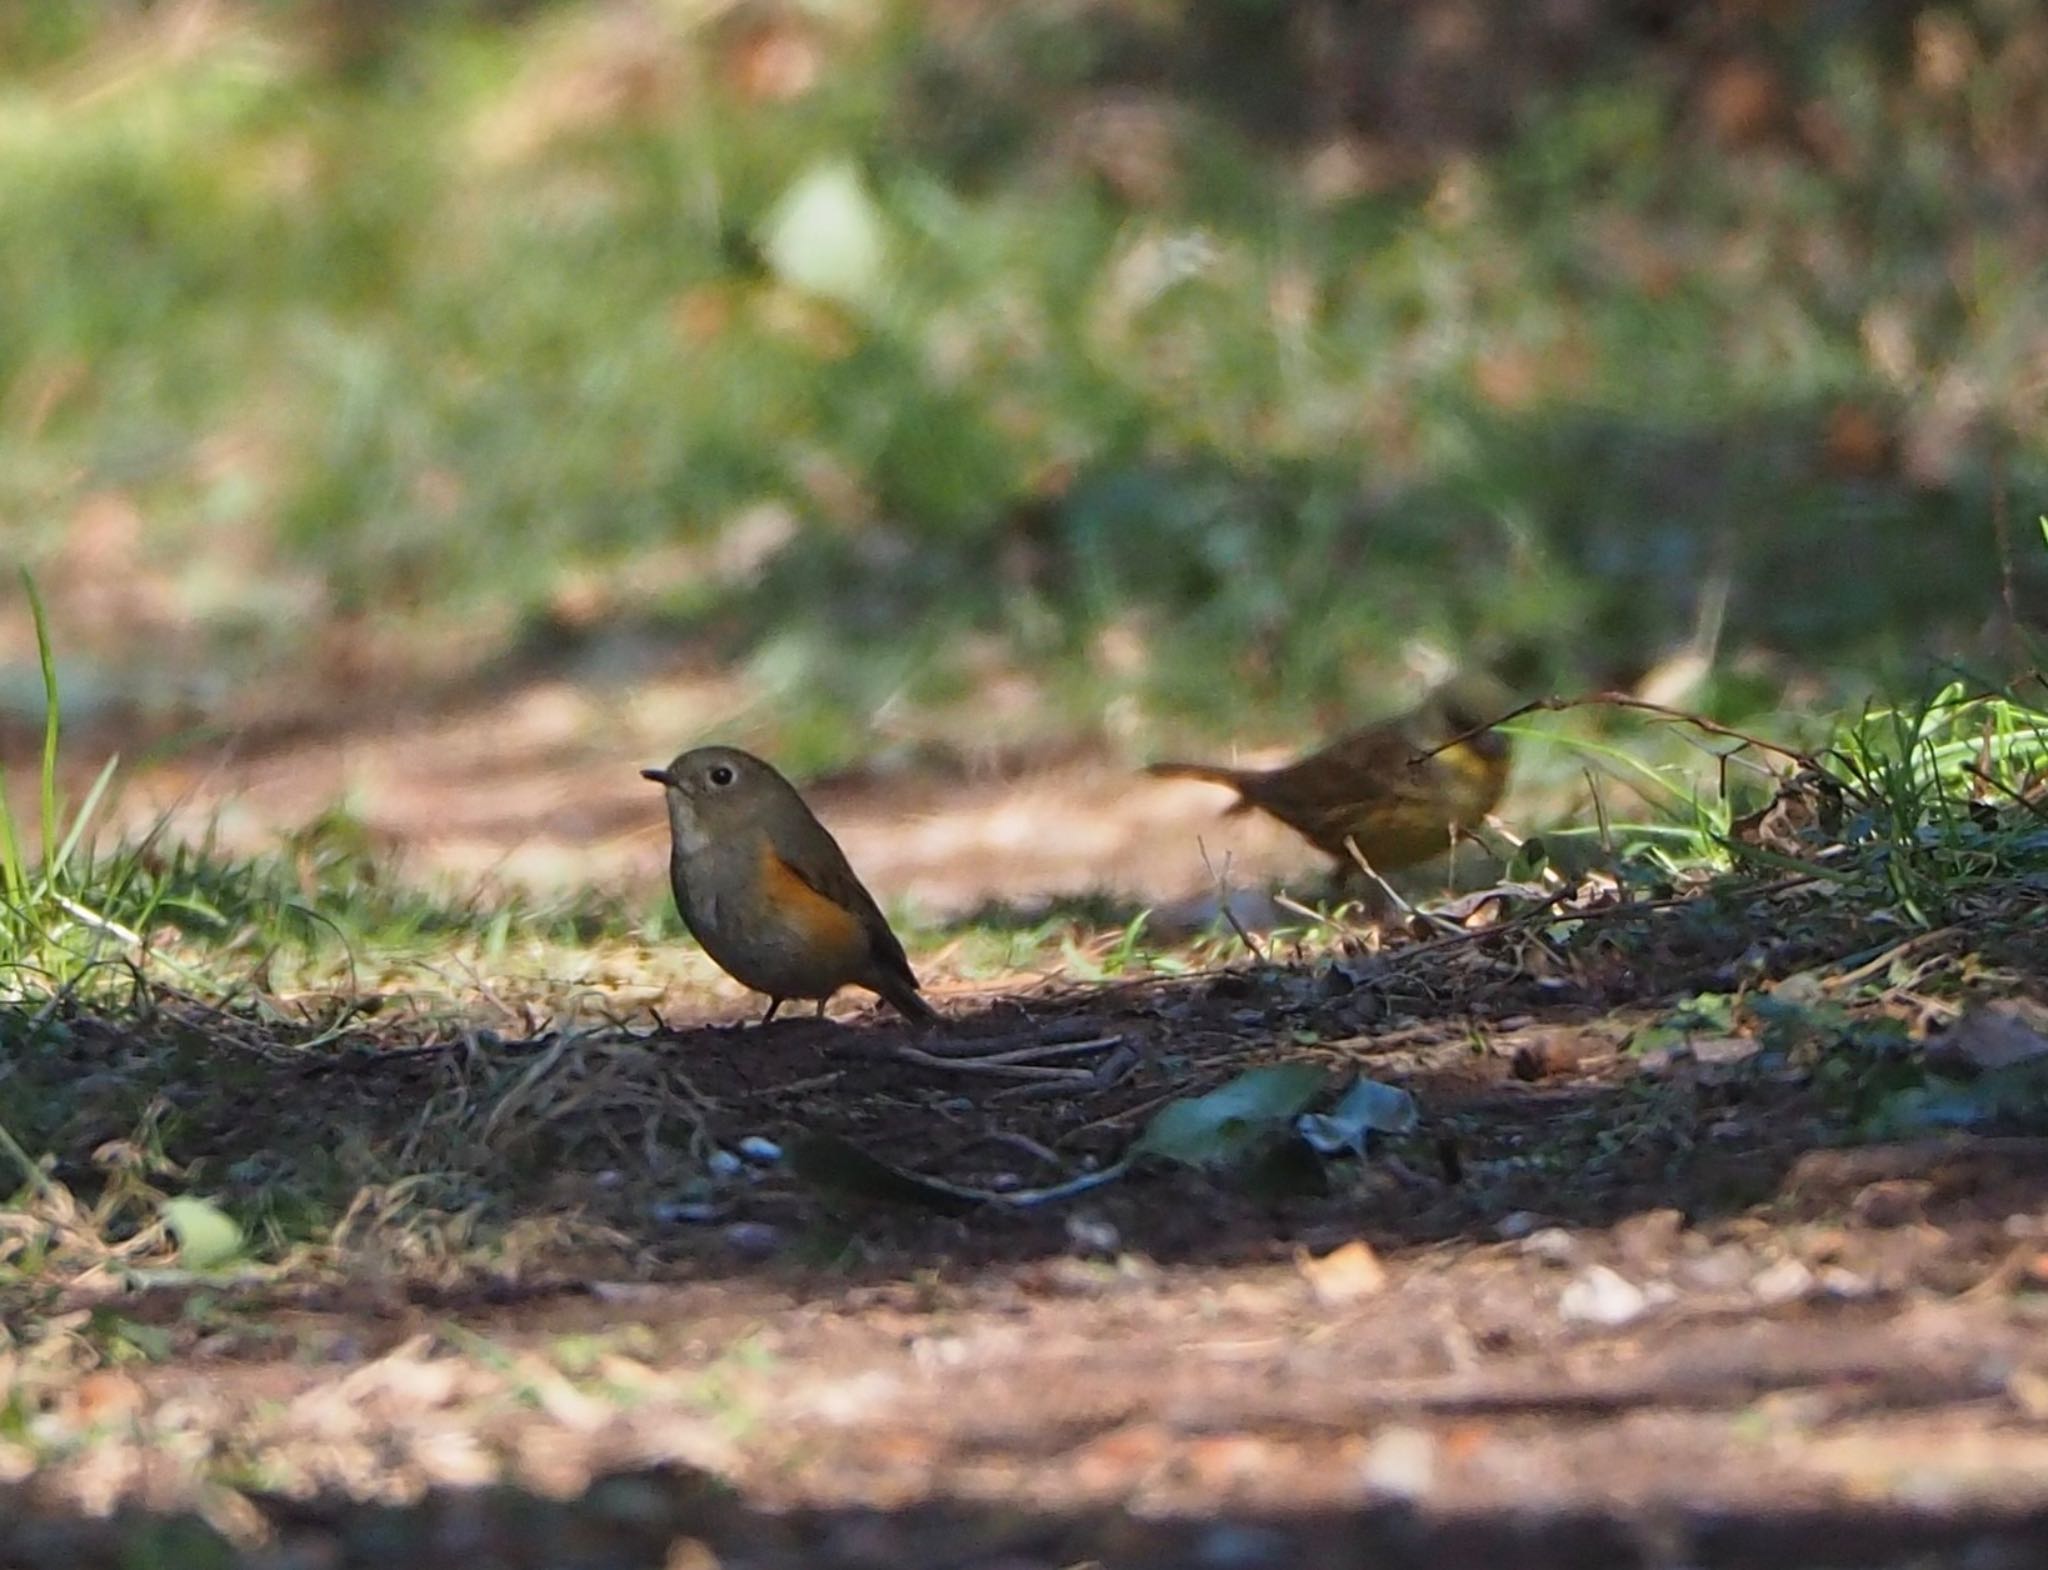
825	236
1557	1052
1367	1108
1343	1275
1232	1122
207	1235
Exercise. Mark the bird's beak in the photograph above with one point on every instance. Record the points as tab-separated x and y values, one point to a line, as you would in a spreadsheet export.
660	777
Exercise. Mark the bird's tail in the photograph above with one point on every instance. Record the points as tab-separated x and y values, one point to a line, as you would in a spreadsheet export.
905	999
1208	774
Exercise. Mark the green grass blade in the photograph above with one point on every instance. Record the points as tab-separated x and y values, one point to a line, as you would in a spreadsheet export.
84	816
46	657
1625	768
12	880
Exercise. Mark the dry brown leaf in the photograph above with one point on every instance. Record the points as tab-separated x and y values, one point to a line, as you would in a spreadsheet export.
1343	1275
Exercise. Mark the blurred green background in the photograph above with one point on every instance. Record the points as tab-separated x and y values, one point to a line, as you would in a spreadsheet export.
1192	362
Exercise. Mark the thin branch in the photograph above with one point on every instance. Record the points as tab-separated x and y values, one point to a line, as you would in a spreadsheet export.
1623	700
1223	902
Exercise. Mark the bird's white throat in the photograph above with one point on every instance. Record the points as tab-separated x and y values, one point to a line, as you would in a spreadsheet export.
689	834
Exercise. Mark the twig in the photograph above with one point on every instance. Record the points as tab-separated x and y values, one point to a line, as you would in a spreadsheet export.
1037	1054
1016	1048
1984	776
1890	953
1223	901
1600	818
1372	876
1408	911
1004	1070
1110	1071
777	1092
31	1169
1316	917
2001	530
1127	1115
1623	700
2008	1273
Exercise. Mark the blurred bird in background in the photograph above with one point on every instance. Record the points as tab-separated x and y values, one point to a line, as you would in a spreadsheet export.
1367	789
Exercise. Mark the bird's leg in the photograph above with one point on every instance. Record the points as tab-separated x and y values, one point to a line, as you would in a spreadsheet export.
821	1008
773	1005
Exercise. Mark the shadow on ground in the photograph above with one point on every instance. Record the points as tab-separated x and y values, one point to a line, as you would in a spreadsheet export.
1650	1301
674	1518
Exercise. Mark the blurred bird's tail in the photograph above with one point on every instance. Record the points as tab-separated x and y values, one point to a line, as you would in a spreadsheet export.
1208	774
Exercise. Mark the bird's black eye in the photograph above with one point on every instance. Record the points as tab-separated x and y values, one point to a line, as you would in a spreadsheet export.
721	775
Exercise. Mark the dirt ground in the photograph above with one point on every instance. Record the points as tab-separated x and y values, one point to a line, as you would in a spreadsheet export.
1584	1319
1601	1309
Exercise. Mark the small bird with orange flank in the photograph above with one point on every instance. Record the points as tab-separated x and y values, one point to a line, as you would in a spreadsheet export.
768	893
1368	789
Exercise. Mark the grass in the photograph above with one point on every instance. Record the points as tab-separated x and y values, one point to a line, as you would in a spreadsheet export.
42	912
480	328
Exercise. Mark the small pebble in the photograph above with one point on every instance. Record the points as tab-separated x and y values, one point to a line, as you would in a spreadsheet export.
1602	1297
753	1239
1838	1281
1093	1235
723	1164
764	1151
692	1212
1722	1269
1400	1463
1516	1225
2025	1224
1785	1282
1728	1131
1553	1245
1648	1237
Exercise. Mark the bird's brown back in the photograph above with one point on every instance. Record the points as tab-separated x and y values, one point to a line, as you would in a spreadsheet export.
1365	786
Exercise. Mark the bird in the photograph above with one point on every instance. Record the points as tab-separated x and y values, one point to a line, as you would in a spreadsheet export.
1367	787
767	892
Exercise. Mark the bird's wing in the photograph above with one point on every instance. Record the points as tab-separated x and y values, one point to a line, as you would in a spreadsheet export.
1369	765
814	856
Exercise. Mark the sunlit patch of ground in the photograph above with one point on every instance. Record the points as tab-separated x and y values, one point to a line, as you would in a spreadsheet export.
540	786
